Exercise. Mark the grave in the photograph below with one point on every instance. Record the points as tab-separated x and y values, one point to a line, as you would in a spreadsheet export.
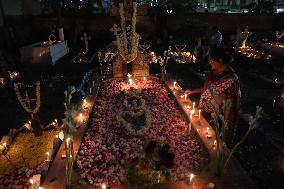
44	52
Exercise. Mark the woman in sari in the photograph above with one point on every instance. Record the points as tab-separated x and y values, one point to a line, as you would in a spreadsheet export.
224	83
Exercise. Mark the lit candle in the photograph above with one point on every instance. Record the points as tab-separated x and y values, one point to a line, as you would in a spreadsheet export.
67	141
90	90
81	117
48	157
130	81
175	84
191	176
5	146
185	96
214	144
273	105
189	125
32	182
193	105
104	186
30	122
129	75
199	111
144	78
207	130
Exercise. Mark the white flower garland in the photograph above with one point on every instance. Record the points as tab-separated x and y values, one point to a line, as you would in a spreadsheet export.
128	41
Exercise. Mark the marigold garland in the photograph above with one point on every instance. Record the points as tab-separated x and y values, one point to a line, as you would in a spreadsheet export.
25	102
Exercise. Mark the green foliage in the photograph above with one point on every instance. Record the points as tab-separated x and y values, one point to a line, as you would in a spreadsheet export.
141	172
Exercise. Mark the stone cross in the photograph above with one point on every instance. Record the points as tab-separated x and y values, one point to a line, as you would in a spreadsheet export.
115	29
86	39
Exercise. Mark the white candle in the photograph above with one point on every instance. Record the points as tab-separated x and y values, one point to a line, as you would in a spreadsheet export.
199	111
191	176
67	142
104	186
189	125
144	78
214	144
5	146
48	157
193	105
130	81
273	104
185	96
175	84
32	182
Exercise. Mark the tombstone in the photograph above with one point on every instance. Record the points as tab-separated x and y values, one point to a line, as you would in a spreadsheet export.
119	67
245	36
140	67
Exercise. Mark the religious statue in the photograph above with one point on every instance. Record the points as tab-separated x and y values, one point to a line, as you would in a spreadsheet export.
245	34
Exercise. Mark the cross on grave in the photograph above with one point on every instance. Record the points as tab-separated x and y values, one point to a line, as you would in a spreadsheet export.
115	29
86	39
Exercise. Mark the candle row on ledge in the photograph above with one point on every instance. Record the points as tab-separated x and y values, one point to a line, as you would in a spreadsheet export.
276	45
192	111
253	53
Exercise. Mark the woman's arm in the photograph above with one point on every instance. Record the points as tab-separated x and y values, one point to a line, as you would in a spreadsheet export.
192	91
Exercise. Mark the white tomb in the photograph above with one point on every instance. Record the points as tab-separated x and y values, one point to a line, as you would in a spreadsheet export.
44	52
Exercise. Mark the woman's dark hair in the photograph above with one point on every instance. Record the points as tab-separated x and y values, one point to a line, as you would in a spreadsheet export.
217	53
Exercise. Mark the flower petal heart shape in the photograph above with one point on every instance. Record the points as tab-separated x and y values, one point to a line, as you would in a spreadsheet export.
136	122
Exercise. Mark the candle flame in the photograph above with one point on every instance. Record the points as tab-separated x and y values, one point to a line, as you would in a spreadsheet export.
67	141
104	186
191	176
31	181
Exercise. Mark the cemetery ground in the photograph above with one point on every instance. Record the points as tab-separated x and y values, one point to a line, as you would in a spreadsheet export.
262	155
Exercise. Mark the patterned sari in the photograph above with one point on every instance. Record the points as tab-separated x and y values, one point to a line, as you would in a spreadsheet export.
226	87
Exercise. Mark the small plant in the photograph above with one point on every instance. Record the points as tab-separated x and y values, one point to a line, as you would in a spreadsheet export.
69	128
163	61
